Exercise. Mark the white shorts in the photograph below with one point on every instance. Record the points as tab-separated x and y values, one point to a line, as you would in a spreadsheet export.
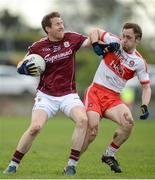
52	104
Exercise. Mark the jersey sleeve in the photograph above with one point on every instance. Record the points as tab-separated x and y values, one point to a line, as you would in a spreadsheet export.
33	49
142	73
78	40
107	38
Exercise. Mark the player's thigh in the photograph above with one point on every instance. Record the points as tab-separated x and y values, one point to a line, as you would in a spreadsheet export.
49	104
78	113
73	107
39	118
93	119
120	114
93	122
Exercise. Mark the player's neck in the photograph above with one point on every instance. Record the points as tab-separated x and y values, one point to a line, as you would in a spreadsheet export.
130	51
53	39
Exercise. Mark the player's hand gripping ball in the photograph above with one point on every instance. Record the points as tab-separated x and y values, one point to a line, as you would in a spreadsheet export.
33	65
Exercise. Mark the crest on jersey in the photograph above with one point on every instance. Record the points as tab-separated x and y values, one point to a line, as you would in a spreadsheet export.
90	105
66	44
131	63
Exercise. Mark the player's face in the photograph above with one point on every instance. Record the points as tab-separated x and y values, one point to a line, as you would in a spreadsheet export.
56	31
128	40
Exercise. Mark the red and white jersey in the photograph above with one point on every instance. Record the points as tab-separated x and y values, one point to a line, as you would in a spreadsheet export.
58	78
116	68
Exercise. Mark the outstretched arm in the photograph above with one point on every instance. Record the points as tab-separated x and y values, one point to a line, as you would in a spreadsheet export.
146	96
95	35
87	43
99	47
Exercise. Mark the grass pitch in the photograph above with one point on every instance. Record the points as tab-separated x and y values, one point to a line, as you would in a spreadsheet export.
51	149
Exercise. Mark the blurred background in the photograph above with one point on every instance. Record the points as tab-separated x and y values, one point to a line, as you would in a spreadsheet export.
20	27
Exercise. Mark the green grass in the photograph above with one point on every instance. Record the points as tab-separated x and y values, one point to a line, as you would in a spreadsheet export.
50	151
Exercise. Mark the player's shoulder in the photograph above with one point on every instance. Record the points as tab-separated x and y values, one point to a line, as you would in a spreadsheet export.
140	62
72	34
40	42
139	56
74	37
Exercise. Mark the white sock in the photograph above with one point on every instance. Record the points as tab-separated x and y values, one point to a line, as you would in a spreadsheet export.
110	151
13	163
72	162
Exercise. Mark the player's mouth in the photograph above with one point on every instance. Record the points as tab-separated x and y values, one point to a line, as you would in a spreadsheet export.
61	30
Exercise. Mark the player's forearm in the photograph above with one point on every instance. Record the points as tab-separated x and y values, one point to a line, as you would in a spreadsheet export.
146	95
87	43
94	35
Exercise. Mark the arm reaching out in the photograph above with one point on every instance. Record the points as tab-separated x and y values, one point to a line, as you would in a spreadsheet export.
146	96
99	48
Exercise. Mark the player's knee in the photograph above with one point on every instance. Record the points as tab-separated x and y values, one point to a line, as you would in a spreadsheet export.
127	127
129	123
92	137
82	122
34	130
93	133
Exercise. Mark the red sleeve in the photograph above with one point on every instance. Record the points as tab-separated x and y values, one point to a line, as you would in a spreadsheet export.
103	35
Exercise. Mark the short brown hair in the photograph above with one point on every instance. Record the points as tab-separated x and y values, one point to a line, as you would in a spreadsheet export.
46	19
136	29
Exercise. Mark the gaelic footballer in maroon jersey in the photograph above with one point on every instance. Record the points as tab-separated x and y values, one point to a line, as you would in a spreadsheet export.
59	77
56	90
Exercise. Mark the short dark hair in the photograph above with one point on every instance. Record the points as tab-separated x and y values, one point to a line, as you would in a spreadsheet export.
46	19
136	29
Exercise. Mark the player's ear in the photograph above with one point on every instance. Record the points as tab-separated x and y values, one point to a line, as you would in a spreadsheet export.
47	29
138	40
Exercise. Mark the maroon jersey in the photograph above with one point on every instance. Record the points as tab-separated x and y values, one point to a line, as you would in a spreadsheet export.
58	78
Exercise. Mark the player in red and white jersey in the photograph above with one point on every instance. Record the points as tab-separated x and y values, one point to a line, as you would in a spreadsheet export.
56	90
117	68
120	62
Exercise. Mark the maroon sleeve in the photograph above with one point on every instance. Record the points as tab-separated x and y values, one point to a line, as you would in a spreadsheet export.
33	49
78	39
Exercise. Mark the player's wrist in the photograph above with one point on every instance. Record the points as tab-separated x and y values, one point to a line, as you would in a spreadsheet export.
22	69
95	43
97	49
145	112
25	69
144	106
